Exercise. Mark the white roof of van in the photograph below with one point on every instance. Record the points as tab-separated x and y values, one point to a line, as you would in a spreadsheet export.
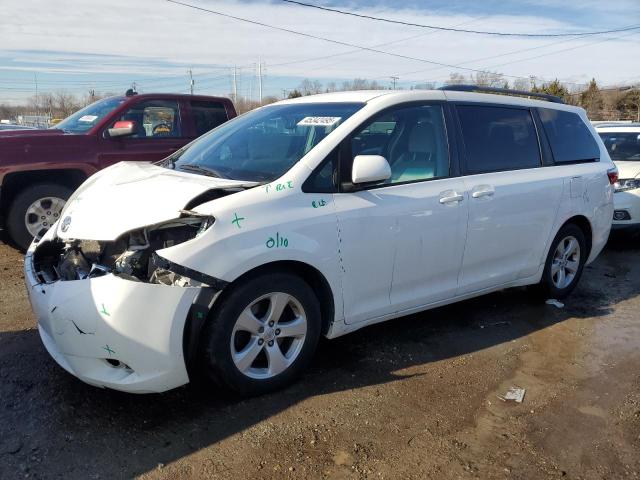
409	95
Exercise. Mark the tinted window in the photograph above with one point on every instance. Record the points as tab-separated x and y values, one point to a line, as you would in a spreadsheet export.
570	139
412	139
207	115
154	118
498	138
622	145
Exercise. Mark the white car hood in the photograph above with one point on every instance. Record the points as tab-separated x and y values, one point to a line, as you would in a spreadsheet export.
628	169
131	195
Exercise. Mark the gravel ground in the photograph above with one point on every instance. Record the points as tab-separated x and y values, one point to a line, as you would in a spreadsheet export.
413	398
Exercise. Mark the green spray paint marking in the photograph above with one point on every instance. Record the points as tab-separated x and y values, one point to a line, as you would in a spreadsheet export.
319	203
277	242
236	220
199	315
280	186
104	311
108	349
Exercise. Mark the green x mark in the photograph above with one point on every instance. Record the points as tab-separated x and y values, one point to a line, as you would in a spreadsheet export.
236	220
104	311
108	349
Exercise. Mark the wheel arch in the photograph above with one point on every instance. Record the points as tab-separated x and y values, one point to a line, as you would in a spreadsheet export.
584	224
316	280
15	182
308	273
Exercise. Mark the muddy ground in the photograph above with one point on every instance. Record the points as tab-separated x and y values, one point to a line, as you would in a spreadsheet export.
412	398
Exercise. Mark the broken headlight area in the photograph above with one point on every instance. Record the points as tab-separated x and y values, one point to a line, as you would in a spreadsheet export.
131	256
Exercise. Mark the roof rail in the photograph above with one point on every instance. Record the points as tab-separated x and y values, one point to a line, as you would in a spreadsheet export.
506	91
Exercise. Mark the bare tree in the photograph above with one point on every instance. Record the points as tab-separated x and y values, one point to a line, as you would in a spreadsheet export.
456	79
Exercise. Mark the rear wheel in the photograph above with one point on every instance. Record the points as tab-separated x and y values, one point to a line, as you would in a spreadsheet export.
565	262
263	335
34	210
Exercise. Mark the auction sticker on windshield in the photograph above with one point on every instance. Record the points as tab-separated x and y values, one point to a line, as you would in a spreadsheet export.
87	118
318	121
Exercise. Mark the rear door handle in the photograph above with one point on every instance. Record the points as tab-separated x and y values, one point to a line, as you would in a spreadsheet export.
483	191
450	196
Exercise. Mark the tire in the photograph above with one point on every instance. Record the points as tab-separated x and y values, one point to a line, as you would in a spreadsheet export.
551	285
17	228
230	342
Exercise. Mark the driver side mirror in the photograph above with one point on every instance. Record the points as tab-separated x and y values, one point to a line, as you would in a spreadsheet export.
122	128
370	169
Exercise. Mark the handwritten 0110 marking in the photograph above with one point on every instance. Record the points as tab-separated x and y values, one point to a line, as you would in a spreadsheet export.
277	242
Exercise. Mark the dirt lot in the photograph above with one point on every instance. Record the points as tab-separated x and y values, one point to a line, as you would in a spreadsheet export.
413	398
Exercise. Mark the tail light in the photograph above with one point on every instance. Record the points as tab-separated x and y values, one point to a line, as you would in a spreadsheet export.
612	173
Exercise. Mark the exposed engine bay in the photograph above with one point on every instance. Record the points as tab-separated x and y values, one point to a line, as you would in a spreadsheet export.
131	256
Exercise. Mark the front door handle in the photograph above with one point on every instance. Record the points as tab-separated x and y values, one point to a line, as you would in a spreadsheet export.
483	191
451	196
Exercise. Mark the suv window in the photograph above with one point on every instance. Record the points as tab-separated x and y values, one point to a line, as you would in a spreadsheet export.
207	115
154	118
622	145
498	138
412	139
570	139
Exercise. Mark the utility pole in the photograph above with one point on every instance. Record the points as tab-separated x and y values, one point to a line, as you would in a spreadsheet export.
260	81
235	84
394	79
35	77
191	81
284	93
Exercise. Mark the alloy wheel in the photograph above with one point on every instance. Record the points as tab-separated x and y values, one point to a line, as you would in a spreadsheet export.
41	214
268	335
565	262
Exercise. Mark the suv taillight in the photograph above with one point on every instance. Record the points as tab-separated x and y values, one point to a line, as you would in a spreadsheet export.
612	173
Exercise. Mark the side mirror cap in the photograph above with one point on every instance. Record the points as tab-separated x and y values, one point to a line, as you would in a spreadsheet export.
370	169
122	128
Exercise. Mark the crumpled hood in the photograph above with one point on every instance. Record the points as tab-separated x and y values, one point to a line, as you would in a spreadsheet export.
131	195
628	169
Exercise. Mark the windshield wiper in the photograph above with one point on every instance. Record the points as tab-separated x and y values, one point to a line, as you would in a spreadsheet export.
210	172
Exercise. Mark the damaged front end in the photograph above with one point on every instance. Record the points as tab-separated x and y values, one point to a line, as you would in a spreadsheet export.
132	256
115	313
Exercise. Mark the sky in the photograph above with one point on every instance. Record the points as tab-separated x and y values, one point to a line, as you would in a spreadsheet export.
72	46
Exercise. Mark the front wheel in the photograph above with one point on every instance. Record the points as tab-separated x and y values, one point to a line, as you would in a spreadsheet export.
34	210
263	335
565	262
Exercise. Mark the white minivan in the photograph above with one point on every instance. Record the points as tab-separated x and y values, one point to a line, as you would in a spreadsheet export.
315	216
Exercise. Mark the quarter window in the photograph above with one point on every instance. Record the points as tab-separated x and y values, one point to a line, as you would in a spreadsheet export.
207	115
412	139
498	138
570	139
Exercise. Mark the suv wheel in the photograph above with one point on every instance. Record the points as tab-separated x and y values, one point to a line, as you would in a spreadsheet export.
565	262
263	335
34	210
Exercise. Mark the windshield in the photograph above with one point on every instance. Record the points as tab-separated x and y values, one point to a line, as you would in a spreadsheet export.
263	144
83	120
622	146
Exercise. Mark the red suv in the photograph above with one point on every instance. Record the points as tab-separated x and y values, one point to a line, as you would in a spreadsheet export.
39	169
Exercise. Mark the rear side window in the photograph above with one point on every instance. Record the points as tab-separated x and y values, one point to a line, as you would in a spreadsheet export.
498	138
570	139
207	115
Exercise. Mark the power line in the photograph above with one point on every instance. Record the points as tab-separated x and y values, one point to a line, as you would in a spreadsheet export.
337	42
458	30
